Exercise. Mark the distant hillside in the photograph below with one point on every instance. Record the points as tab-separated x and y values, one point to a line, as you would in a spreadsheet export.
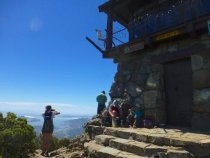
68	128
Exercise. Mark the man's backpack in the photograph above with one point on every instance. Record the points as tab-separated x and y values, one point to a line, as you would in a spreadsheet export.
48	122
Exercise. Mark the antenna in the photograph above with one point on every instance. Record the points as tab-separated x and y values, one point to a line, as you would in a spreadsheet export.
100	36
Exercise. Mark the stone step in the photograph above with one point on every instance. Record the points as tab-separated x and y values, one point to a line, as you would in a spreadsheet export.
141	148
196	143
99	151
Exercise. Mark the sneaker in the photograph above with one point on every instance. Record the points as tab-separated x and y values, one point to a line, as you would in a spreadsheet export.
46	154
42	153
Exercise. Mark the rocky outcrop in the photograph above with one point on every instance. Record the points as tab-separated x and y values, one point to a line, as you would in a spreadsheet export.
75	149
109	142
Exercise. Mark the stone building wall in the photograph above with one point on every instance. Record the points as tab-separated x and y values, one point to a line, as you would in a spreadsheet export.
144	81
201	85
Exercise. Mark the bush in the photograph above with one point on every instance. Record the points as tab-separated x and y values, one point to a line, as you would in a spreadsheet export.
56	144
17	138
60	142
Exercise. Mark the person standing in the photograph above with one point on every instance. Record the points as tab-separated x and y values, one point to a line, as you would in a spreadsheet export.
101	99
47	129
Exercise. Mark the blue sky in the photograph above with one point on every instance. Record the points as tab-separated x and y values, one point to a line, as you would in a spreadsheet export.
45	58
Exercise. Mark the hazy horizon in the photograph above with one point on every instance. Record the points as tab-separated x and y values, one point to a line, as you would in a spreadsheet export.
33	108
68	124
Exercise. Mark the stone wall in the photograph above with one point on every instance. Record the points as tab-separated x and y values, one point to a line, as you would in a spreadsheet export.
144	81
201	85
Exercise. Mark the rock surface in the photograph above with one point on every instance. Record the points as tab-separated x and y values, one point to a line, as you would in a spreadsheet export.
74	150
166	142
109	142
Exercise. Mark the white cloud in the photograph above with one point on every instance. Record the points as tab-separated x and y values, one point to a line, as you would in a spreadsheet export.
35	25
38	108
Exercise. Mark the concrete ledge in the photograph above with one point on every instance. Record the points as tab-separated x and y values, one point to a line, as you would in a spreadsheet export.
196	143
138	148
141	148
103	139
98	151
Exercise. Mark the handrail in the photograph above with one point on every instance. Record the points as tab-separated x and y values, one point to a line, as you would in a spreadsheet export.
154	21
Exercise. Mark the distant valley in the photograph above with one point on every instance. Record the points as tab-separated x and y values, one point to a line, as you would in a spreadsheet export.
64	127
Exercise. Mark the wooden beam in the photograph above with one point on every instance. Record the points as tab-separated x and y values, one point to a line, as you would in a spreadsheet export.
112	4
95	45
109	32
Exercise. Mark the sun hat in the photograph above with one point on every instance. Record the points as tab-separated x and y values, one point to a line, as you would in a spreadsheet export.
115	103
48	107
103	92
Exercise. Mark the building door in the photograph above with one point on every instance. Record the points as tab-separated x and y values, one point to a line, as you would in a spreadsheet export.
178	86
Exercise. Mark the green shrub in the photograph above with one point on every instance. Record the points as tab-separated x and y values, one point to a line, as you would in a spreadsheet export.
60	142
64	142
17	138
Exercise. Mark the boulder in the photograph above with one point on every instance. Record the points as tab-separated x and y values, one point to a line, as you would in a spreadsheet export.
153	81
150	99
200	121
133	89
140	78
201	79
196	62
201	97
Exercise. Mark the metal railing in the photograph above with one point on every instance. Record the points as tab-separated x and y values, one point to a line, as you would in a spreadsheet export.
158	19
173	15
120	35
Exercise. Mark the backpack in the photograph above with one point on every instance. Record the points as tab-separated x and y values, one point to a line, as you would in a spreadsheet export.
148	122
48	122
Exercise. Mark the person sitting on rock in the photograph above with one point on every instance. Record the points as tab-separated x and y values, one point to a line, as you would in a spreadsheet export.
130	118
106	118
135	116
114	111
138	116
125	106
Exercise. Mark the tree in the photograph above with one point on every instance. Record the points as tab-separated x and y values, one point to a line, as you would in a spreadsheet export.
17	138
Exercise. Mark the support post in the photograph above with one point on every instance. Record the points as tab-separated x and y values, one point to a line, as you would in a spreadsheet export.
109	33
95	45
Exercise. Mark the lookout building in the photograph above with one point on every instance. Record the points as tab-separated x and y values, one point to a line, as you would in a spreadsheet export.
162	50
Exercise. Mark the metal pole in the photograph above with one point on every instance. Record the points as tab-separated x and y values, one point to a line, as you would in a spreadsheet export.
95	45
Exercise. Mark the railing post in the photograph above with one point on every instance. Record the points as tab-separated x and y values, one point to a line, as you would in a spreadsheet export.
208	22
109	32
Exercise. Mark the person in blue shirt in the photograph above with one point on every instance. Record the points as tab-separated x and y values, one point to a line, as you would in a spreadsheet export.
135	116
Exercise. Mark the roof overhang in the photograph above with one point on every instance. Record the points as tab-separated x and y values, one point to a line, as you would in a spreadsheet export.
123	10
